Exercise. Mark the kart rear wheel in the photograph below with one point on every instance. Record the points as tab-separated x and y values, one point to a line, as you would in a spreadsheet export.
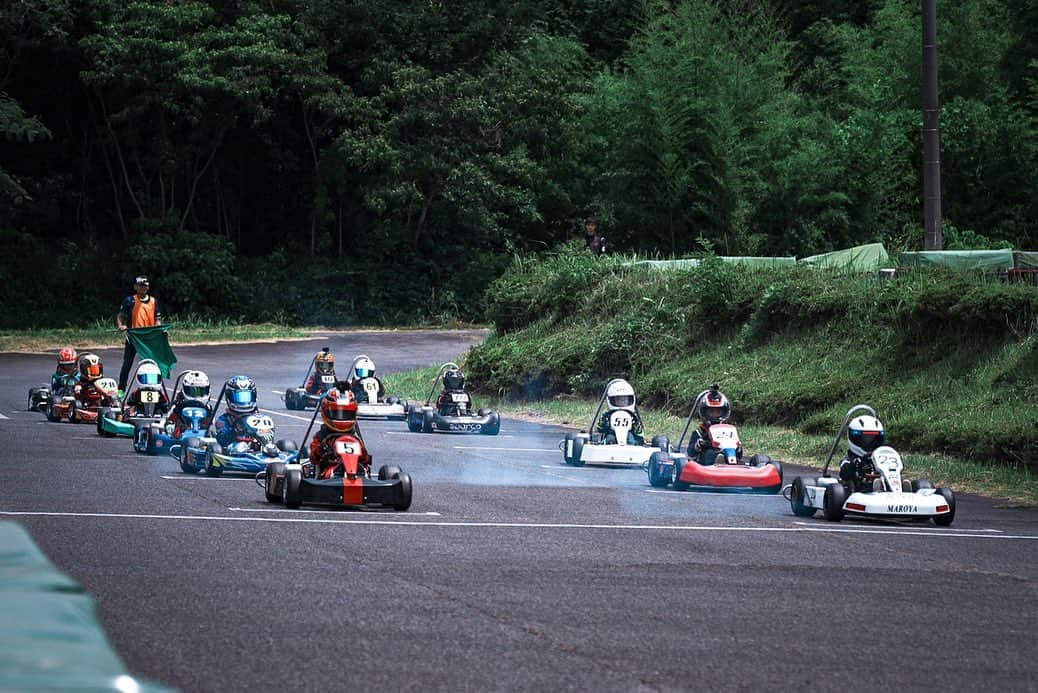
427	420
405	491
759	460
832	502
578	450
797	494
290	492
661	442
287	445
494	427
49	411
187	462
678	484
141	436
657	477
414	420
921	484
210	469
945	520
270	474
71	415
386	472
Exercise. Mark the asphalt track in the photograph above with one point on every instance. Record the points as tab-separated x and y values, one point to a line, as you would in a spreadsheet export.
510	571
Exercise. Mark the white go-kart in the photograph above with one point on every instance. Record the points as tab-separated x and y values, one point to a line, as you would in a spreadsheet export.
891	497
588	447
370	405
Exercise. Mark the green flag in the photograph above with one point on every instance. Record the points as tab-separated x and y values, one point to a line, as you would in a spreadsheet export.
153	343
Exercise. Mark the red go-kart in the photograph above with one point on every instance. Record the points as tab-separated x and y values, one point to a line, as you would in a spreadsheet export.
83	404
349	483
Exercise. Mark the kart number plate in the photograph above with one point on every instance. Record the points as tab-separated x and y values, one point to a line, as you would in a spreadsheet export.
150	397
459	397
347	448
469	427
327	378
370	385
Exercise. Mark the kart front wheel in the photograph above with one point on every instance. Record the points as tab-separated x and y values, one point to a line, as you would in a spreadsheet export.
51	416
797	494
949	517
657	477
427	421
291	494
387	472
832	502
494	427
271	473
187	460
71	415
679	485
414	420
575	460
210	468
405	491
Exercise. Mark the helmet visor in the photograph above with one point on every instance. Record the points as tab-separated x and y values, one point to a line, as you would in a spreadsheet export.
324	367
148	378
621	400
716	412
196	391
867	440
93	370
363	372
341	414
243	398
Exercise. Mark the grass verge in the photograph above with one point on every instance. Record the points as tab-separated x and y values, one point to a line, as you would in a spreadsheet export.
1013	486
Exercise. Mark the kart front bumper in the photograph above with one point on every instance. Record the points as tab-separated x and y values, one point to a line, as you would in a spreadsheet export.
381	410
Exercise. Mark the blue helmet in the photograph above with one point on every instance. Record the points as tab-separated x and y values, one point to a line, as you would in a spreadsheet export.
240	391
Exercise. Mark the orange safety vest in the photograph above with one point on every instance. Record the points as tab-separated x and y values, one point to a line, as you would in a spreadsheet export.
143	313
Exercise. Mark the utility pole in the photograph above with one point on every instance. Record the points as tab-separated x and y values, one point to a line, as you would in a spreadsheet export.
932	238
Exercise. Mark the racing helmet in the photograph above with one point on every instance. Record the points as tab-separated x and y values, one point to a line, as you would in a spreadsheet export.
195	385
148	375
324	362
864	435
453	379
240	391
363	367
715	408
339	410
620	395
90	367
67	361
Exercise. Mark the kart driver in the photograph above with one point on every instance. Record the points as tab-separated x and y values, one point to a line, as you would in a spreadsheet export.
363	368
149	380
620	397
339	417
229	427
453	384
91	369
864	435
66	375
194	391
324	364
713	409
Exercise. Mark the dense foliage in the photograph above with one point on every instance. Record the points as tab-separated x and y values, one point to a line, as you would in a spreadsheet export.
379	161
951	357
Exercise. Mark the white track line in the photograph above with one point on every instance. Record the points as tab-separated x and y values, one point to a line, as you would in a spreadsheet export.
189	477
525	525
860	526
277	392
291	416
4	417
309	510
488	447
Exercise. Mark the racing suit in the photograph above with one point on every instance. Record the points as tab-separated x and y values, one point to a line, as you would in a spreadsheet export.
229	428
323	456
634	436
314	386
60	383
858	473
179	423
133	402
446	405
358	390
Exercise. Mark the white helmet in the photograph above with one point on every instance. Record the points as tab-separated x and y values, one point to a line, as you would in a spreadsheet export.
864	435
195	385
620	395
149	376
363	367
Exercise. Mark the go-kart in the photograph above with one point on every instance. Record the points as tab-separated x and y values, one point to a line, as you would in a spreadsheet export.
890	497
205	454
614	449
297	398
298	482
83	405
39	398
158	437
719	466
124	418
369	404
456	417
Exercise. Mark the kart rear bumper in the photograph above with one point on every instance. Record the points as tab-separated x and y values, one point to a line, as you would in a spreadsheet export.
461	424
381	410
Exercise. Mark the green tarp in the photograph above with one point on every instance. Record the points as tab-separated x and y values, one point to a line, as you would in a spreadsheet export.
153	343
862	258
986	260
1025	260
50	638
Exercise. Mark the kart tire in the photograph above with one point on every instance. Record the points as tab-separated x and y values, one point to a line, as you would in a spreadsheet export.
187	464
386	472
832	502
33	394
657	477
405	491
290	400
778	465
759	460
214	449
483	411
392	400
287	445
494	426
71	415
427	420
919	484
49	411
661	442
269	484
679	485
797	494
141	438
414	420
945	520
291	494
578	451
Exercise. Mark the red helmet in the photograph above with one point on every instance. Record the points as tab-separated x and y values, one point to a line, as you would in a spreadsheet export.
339	410
90	367
67	359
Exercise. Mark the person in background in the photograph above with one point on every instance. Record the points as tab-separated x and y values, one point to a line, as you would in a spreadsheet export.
140	309
592	241
67	374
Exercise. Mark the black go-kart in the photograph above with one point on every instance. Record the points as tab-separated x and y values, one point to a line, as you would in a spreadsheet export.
452	416
298	398
39	398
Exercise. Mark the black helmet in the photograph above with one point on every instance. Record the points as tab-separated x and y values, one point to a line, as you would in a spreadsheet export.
454	379
714	408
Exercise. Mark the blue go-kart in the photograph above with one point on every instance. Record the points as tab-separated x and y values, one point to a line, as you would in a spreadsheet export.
159	437
205	454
